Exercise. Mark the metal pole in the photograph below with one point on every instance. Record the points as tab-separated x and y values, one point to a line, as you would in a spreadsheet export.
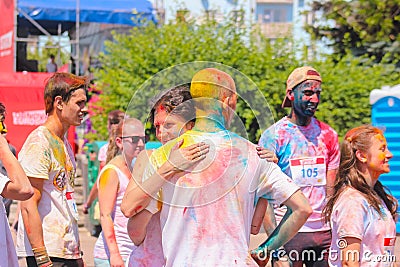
77	60
59	45
37	25
15	36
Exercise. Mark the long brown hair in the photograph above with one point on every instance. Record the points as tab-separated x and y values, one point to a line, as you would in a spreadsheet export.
113	149
360	139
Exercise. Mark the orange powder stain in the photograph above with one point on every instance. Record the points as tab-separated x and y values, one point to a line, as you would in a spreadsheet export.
380	137
104	179
381	156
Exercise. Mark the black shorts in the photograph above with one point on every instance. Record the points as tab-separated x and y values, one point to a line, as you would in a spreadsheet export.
57	262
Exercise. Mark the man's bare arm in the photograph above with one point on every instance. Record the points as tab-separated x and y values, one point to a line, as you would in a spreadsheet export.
264	211
269	220
19	187
137	226
138	196
30	214
31	218
330	182
298	210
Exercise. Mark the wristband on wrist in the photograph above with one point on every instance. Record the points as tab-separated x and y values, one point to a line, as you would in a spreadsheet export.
41	257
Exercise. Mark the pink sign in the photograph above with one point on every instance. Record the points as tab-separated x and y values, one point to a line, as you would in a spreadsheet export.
7	36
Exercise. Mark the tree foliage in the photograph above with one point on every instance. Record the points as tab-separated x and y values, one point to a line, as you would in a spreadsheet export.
365	27
134	58
43	55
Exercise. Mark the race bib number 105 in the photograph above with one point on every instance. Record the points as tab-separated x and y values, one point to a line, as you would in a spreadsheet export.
308	171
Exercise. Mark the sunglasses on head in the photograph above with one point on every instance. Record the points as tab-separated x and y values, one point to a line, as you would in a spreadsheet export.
135	139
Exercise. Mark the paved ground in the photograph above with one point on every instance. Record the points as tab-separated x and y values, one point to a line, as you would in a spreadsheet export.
88	241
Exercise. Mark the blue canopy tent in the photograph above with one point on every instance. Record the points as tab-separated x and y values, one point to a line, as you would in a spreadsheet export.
44	17
49	14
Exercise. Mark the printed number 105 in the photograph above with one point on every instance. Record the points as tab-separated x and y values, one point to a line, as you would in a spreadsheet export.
310	172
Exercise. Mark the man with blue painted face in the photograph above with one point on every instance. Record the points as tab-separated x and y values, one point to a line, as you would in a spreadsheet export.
308	152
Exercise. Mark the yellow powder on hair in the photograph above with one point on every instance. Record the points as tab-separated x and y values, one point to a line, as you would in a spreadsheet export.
208	83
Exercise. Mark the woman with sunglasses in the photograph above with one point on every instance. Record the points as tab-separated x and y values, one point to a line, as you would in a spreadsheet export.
361	212
113	246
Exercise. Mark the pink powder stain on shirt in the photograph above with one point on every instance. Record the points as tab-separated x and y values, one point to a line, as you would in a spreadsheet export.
316	197
224	158
281	133
217	179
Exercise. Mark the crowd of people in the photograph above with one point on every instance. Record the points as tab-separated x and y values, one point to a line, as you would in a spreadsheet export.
196	200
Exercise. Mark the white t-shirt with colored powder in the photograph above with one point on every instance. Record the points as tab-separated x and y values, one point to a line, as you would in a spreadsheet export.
45	156
353	216
7	252
305	153
207	211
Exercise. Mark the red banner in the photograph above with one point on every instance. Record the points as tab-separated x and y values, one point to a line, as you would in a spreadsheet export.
23	96
7	36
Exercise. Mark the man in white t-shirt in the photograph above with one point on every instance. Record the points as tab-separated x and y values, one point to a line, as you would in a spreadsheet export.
207	210
48	235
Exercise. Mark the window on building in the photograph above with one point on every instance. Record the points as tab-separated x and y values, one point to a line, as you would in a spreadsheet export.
274	15
274	12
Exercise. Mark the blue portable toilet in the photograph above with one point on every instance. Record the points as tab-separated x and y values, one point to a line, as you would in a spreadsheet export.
386	115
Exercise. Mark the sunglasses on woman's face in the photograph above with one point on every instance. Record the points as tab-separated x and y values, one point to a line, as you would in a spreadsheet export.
135	139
